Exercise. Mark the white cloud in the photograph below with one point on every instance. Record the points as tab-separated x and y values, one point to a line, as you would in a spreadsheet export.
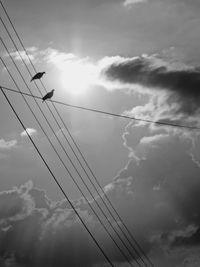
56	57
31	131
16	204
53	230
21	55
6	145
155	138
132	2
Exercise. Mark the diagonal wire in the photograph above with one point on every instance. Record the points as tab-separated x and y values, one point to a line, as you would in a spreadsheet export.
103	225
78	147
91	172
163	123
130	252
55	179
104	112
76	157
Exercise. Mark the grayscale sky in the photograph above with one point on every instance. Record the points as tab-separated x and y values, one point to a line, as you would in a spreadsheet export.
133	57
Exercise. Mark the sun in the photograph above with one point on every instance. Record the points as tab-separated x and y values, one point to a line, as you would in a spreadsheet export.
77	76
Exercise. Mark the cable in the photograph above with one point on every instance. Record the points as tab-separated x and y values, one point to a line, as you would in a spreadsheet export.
78	147
80	164
103	225
69	172
37	97
108	113
104	112
137	119
90	109
12	90
75	169
72	150
55	179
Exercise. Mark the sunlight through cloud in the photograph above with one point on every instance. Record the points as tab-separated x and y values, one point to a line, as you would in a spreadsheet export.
77	75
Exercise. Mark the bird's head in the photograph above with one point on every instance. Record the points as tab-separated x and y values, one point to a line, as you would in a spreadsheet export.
53	90
44	72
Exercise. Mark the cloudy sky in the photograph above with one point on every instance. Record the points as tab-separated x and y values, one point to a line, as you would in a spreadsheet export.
134	57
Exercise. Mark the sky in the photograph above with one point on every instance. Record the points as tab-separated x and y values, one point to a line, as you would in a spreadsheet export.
133	57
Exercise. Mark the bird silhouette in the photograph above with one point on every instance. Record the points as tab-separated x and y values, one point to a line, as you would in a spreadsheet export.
38	76
48	95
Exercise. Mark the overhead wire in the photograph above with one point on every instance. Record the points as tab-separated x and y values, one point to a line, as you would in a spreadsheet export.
128	117
90	109
9	89
163	123
58	139
71	146
105	112
63	163
56	180
135	251
63	146
69	132
121	220
179	125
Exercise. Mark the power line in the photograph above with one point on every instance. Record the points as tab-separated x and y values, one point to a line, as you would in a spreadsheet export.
75	155
78	148
103	225
74	165
12	90
107	112
58	126
73	152
76	170
55	179
75	145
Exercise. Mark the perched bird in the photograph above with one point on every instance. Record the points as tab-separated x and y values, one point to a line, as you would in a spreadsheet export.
38	76
48	95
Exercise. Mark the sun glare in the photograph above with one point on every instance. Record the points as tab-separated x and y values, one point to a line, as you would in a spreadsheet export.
77	76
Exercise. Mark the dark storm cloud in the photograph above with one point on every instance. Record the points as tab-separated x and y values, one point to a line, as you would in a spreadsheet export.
183	85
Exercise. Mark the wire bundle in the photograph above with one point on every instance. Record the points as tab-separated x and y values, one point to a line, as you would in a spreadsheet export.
120	235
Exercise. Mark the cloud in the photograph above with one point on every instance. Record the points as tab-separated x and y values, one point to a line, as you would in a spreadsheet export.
15	204
161	190
147	72
191	261
173	88
31	131
35	231
165	186
156	195
21	55
132	2
76	74
152	139
7	145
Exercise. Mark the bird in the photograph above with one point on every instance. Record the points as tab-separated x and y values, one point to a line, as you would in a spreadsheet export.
48	95
38	76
